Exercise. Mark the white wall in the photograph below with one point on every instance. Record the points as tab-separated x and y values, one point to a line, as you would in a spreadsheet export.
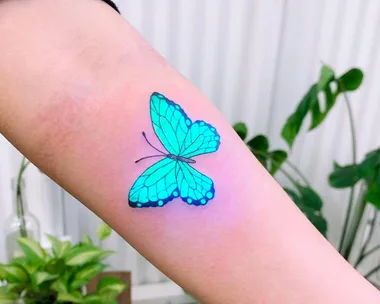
254	59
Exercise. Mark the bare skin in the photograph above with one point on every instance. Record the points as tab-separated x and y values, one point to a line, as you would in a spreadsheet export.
75	81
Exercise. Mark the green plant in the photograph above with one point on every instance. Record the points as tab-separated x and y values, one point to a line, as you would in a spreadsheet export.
60	274
324	94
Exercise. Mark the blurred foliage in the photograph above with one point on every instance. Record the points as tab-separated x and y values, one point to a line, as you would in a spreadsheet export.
58	275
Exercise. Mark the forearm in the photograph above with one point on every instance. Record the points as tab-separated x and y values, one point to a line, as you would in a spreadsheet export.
75	83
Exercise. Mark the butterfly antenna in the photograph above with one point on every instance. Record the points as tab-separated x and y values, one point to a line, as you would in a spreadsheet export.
143	133
148	157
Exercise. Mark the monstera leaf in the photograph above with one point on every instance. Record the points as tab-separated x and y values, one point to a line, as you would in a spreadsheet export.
326	90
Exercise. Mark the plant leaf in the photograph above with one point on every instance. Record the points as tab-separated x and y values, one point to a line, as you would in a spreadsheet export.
7	297
259	146
87	273
241	129
344	177
317	116
32	250
59	286
87	240
16	287
40	277
105	254
259	143
318	221
104	231
294	122
65	249
59	248
315	217
83	254
55	245
310	198
370	165
294	196
3	273
325	77
95	299
373	194
73	297
351	80
277	157
14	274
262	159
23	263
56	266
110	287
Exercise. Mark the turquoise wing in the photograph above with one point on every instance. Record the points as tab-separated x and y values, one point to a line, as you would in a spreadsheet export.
170	122
156	186
202	138
194	187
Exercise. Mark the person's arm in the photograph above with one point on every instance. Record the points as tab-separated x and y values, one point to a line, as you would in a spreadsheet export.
75	85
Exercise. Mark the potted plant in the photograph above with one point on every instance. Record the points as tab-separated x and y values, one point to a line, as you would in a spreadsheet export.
362	175
61	274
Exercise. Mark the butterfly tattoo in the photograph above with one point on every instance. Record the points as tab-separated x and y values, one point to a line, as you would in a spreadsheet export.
174	176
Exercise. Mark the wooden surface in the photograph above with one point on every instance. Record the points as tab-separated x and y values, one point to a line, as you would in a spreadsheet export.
125	297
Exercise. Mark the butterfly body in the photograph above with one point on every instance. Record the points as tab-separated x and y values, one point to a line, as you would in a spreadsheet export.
173	176
180	158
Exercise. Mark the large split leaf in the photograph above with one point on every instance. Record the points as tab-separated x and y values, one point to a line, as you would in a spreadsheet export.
319	93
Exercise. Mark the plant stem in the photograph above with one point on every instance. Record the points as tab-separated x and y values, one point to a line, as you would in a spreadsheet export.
19	198
371	272
352	191
369	252
346	220
352	124
355	222
362	253
298	171
289	177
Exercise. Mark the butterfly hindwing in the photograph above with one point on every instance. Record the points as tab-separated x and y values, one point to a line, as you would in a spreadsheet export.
156	186
194	187
170	122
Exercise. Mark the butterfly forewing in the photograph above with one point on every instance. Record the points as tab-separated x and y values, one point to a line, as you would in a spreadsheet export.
202	138
170	122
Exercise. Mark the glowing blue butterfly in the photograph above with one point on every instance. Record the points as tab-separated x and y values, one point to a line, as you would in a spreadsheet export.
173	176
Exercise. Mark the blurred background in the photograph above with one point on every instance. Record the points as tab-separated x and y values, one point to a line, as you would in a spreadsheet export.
254	59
